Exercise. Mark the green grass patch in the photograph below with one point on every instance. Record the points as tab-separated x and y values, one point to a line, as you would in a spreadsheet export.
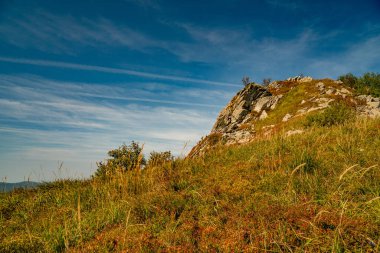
338	113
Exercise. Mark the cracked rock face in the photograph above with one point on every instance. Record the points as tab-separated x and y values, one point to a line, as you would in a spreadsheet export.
250	103
235	122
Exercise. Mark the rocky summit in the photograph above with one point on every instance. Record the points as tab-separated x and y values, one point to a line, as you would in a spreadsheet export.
257	109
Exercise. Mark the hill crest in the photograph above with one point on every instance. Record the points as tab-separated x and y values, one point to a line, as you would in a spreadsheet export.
256	109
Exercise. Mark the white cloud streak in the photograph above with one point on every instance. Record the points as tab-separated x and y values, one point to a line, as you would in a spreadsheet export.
158	93
75	66
61	107
51	33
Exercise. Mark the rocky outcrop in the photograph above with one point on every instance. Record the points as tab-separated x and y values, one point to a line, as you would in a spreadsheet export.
237	122
366	104
300	79
250	104
369	106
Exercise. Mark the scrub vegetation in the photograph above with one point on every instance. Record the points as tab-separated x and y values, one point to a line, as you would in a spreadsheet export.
368	84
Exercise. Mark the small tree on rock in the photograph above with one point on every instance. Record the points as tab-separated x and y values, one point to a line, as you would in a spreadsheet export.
246	80
266	81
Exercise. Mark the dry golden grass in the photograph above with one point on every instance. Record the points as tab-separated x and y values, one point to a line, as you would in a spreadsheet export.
313	192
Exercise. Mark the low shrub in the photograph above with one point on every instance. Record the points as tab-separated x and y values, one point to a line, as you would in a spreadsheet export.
337	114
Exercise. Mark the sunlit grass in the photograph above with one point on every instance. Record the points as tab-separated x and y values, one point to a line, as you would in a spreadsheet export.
316	191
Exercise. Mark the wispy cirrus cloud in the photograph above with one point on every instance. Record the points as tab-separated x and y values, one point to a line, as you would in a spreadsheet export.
236	50
240	47
67	65
48	121
132	92
24	96
241	52
224	46
56	33
229	47
358	58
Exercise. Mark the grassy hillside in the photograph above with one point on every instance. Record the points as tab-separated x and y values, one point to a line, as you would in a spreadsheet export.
316	191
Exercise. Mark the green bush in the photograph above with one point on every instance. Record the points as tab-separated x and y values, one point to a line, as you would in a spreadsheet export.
337	114
123	158
368	84
349	80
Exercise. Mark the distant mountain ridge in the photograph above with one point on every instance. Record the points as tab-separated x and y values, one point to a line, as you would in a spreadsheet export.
6	187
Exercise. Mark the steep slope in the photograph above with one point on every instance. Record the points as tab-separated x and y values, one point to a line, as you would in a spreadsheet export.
256	109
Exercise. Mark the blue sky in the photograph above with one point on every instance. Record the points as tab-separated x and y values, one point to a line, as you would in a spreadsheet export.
78	78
